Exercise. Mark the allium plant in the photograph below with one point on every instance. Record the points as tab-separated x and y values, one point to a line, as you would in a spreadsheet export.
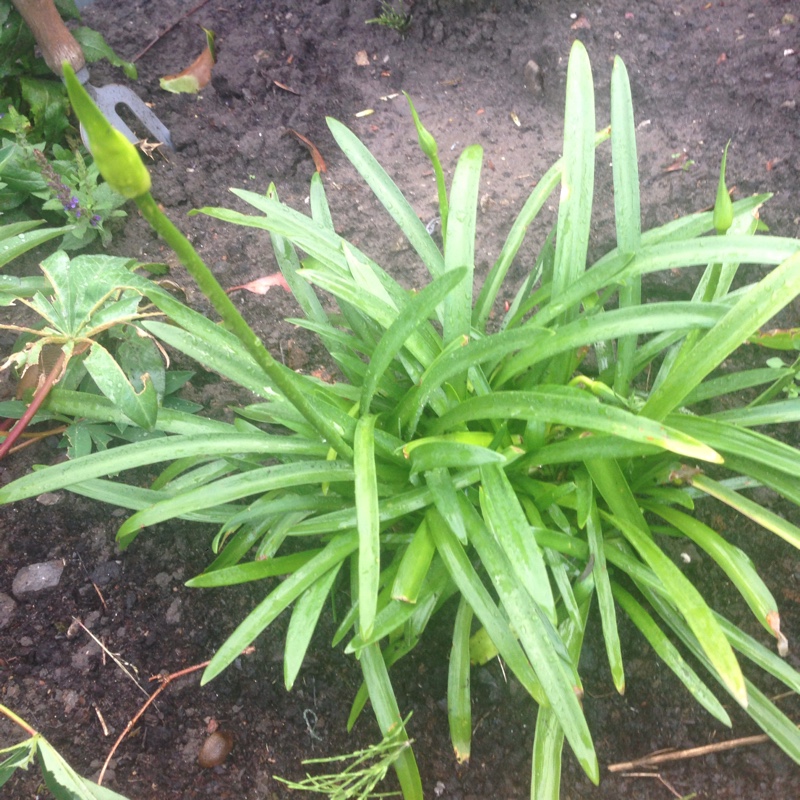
522	482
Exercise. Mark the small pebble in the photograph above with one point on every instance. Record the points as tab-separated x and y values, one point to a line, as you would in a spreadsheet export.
215	749
7	607
37	577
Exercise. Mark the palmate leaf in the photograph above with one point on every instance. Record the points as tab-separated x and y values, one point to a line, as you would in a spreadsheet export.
140	407
64	782
16	756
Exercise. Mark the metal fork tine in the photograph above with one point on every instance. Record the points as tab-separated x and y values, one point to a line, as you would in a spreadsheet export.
109	97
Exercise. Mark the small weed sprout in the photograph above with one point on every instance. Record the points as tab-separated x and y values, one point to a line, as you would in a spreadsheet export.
365	770
392	17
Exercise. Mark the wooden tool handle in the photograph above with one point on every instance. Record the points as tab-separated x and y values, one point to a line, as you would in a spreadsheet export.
51	34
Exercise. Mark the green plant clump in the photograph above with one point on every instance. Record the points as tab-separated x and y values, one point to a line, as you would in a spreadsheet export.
532	477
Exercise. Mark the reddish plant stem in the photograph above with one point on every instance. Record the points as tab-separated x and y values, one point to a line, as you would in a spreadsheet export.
165	681
41	393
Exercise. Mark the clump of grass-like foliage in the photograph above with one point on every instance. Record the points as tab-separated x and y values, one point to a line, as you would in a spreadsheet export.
518	477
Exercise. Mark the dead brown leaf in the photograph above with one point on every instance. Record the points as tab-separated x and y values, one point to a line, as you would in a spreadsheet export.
319	161
285	87
263	285
197	75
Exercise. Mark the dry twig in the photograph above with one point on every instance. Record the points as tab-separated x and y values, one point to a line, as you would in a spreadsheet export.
165	681
692	752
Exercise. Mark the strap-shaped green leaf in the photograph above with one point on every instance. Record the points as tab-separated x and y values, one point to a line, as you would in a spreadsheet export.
303	623
389	195
697	614
387	712
627	517
339	548
152	451
479	599
670	654
367	522
577	177
459	705
763	516
460	251
756	308
415	314
605	600
280	476
541	642
414	565
781	729
627	212
564	405
734	562
506	519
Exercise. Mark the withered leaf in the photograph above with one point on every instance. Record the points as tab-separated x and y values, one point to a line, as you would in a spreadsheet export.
319	161
197	75
263	285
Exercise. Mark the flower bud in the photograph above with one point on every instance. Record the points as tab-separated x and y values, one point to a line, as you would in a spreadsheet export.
723	207
117	159
426	141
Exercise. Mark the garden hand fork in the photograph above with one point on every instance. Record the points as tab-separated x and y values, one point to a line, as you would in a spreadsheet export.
58	45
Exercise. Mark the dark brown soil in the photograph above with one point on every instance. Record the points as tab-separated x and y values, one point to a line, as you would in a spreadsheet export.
701	73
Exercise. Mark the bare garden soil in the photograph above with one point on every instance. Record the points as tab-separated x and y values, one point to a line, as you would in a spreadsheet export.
701	73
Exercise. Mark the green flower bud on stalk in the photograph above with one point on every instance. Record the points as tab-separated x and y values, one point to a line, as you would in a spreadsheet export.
723	207
116	158
426	141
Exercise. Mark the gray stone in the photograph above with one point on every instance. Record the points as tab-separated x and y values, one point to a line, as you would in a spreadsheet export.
37	577
7	607
162	579
106	572
174	612
82	660
534	80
